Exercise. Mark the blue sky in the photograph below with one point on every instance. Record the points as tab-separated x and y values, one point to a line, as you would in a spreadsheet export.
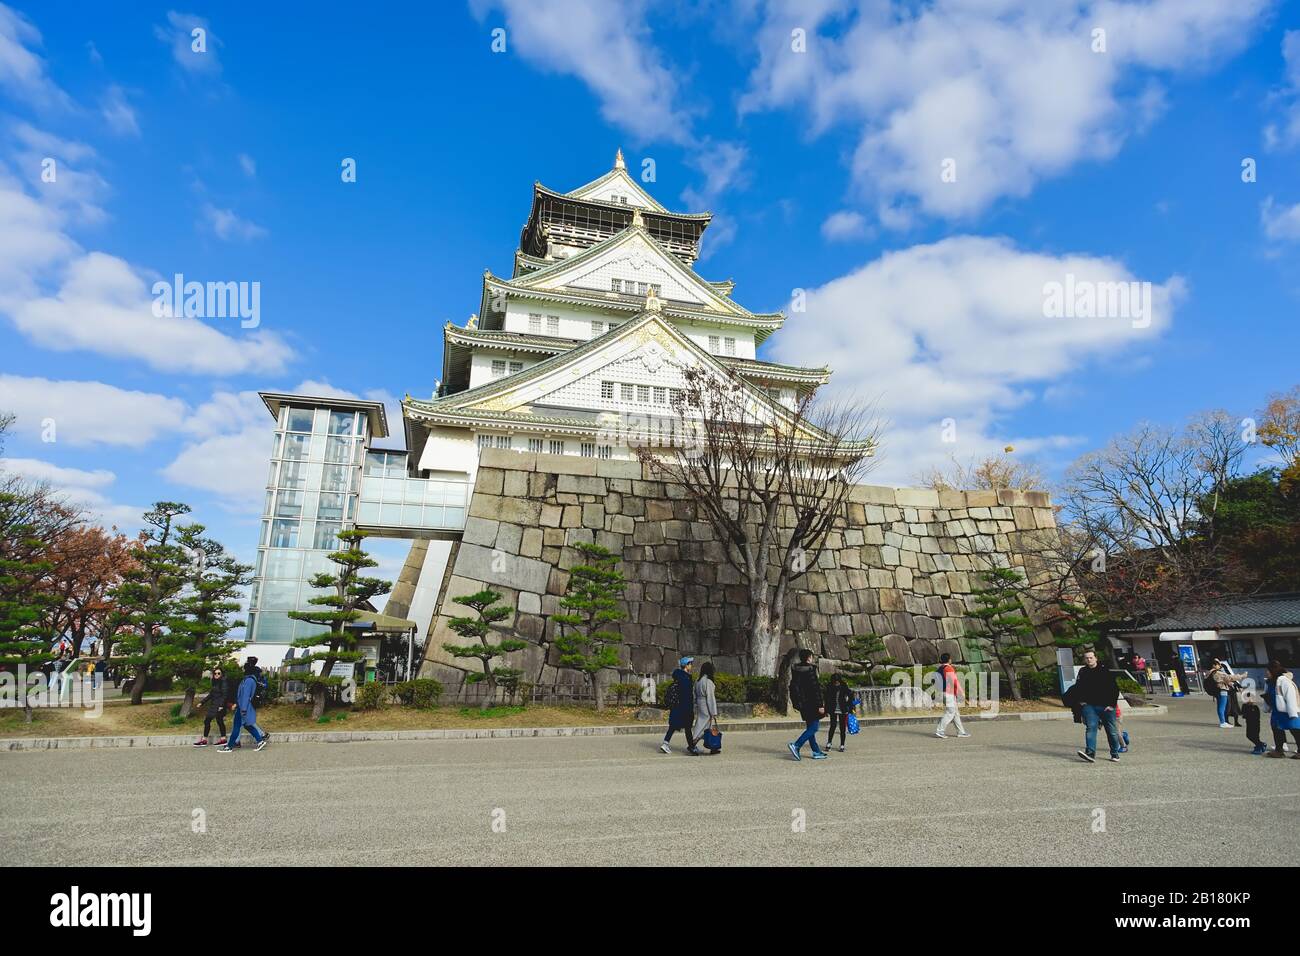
822	166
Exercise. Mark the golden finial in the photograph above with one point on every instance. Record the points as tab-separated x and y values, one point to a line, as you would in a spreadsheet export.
618	159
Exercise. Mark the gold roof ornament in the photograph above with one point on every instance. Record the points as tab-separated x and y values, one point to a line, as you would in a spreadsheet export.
618	159
472	323
652	301
636	217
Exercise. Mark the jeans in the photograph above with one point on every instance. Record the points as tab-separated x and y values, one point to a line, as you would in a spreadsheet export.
1223	706
1093	714
237	725
809	736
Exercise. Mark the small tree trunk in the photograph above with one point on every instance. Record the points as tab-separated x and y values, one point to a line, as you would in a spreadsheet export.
764	638
599	689
137	688
491	694
318	702
187	705
27	710
781	695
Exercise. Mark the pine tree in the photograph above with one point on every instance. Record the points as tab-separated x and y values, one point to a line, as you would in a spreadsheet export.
147	596
351	590
1005	626
197	638
488	612
862	661
591	603
1084	629
24	599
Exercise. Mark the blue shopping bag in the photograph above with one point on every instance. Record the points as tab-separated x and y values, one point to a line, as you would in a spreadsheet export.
853	723
713	738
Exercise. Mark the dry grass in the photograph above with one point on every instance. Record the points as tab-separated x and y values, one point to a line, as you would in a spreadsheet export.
149	719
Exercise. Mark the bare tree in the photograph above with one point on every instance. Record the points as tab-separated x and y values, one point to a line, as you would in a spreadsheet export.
1145	506
773	481
991	473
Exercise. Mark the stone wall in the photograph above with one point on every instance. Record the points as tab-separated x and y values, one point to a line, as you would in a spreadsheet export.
904	568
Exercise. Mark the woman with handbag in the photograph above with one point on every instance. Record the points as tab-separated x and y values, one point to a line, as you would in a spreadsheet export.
839	704
706	711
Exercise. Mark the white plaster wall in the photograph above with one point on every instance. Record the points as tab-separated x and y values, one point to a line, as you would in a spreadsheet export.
450	450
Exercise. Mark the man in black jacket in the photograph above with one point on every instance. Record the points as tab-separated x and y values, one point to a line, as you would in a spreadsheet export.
1095	695
806	695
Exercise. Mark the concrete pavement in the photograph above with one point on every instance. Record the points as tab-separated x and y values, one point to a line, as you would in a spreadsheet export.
1012	793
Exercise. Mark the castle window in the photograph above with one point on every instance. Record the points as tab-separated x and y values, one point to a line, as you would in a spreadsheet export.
556	447
484	441
643	394
589	449
607	390
729	345
615	285
661	396
597	328
516	367
713	344
503	441
498	367
553	325
534	444
535	323
626	393
606	451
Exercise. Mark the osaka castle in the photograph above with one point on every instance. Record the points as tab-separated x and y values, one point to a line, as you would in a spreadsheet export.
602	315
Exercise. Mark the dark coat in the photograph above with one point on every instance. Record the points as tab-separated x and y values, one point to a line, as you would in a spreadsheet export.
838	698
1095	686
805	691
218	697
683	713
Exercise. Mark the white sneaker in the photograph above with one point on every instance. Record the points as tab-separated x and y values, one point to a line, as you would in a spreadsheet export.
1229	726
964	734
665	748
941	735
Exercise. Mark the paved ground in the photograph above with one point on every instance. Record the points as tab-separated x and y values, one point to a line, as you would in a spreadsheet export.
1013	793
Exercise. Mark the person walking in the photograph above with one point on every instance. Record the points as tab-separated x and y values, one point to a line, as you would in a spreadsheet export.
839	701
806	695
1250	710
246	713
1096	694
950	688
681	707
215	708
706	704
1284	700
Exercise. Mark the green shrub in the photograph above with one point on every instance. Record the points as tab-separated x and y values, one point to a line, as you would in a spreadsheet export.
1127	686
758	690
371	696
661	692
423	692
1038	684
730	688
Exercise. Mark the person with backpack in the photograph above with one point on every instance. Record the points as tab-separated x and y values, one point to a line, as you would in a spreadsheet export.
806	695
950	688
679	699
706	706
251	692
215	708
1284	701
839	703
1095	694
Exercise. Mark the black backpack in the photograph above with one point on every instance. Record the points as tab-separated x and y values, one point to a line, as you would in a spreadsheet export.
259	690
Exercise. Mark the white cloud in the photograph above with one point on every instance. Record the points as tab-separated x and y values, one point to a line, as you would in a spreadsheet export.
1285	133
228	225
957	329
247	164
1280	222
178	34
1010	93
88	413
79	488
844	224
76	190
118	113
103	306
22	70
608	47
